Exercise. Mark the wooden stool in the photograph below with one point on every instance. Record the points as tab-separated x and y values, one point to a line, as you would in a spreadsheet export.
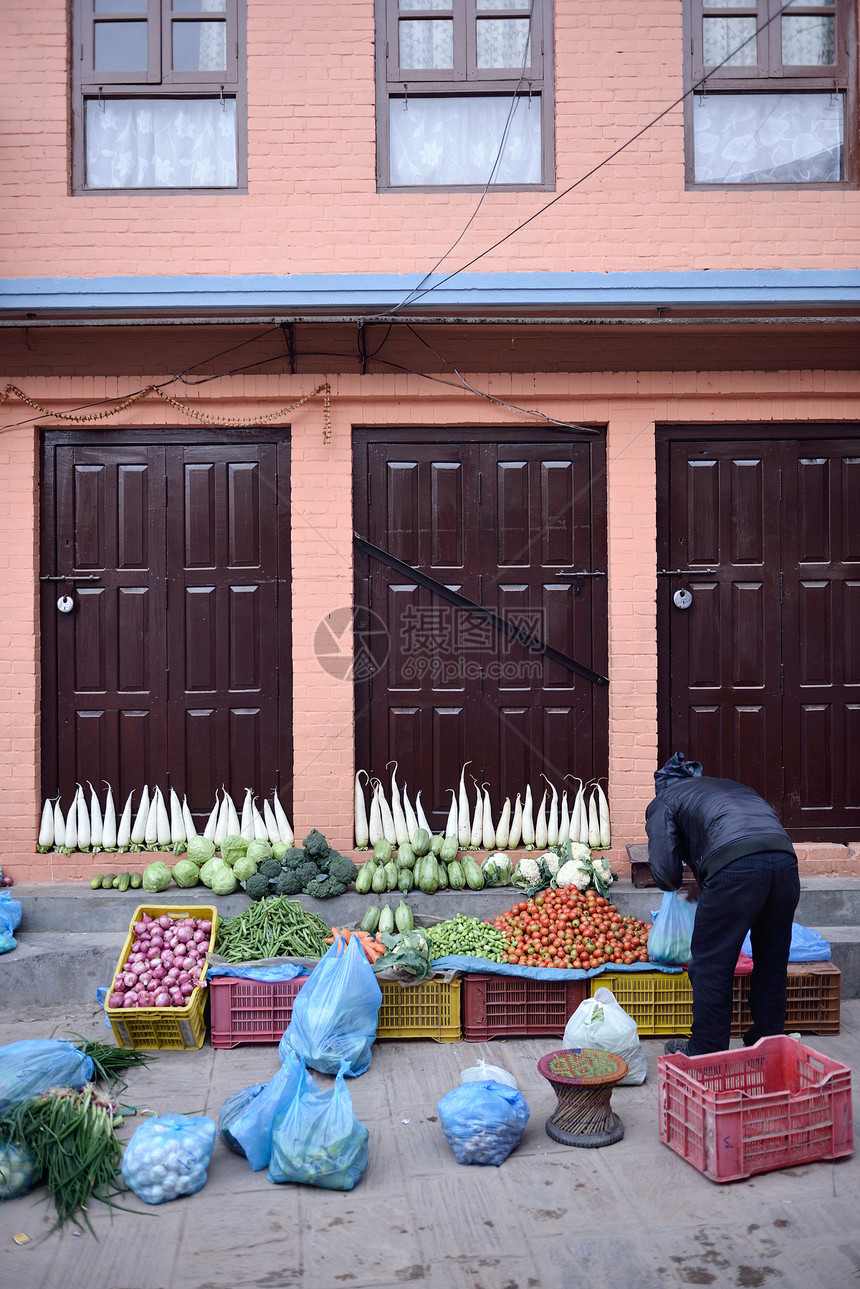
582	1079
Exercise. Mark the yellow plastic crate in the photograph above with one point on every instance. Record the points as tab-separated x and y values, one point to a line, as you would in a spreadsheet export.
162	1027
660	1003
430	1009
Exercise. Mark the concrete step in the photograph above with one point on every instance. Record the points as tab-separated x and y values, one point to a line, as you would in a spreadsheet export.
58	967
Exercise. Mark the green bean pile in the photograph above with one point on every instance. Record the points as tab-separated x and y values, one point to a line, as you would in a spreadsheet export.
273	928
468	936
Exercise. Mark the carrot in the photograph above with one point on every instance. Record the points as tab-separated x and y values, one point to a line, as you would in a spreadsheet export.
371	947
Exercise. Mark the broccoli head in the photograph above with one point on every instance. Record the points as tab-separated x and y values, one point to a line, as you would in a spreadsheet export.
294	857
342	869
288	883
270	868
323	888
307	872
316	845
257	886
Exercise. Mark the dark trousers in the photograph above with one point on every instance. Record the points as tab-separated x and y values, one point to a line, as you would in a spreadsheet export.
759	894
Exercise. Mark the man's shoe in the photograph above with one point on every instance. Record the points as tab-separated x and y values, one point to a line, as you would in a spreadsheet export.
674	1045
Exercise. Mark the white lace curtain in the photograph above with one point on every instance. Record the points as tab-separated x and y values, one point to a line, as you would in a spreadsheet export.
768	138
161	143
457	140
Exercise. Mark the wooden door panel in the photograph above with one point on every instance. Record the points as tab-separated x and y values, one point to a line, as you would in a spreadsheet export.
495	522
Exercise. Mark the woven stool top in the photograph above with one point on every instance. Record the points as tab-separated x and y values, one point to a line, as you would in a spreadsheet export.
582	1065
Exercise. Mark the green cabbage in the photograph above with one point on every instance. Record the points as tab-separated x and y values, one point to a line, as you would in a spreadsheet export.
279	850
223	879
186	873
205	873
233	848
200	849
244	868
259	850
156	877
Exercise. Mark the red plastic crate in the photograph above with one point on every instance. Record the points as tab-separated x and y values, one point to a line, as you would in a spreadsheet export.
777	1104
250	1011
813	999
517	1006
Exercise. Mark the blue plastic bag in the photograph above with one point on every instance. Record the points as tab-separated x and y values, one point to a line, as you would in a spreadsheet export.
272	974
33	1065
10	920
318	1140
168	1156
335	1014
806	945
483	1121
672	929
251	1127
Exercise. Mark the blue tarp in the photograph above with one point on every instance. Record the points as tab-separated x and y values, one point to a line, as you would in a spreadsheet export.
457	962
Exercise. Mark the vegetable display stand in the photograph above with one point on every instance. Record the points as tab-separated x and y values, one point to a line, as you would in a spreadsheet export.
250	1011
582	1079
430	1009
777	1104
163	1027
517	1006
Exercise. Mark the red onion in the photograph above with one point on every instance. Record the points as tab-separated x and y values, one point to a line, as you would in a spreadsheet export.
186	990
115	1000
159	972
165	921
183	978
144	1000
129	1000
129	979
183	934
177	998
204	925
139	927
162	1000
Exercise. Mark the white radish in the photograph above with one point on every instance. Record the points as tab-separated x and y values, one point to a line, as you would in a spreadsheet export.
96	820
259	823
488	836
398	818
451	825
178	831
272	832
233	827
583	816
516	832
150	831
221	828
503	829
419	811
246	825
528	821
476	833
212	821
287	836
71	841
563	819
137	835
541	836
109	822
46	827
388	829
362	834
603	817
190	826
464	827
573	826
59	826
412	823
593	822
552	829
162	820
83	821
375	832
123	832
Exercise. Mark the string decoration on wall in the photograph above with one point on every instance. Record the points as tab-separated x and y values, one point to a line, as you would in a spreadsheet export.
234	423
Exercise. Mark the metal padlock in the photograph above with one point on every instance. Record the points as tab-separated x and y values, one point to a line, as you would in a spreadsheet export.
683	598
65	604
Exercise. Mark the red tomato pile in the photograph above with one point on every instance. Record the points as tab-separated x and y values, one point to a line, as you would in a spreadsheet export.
574	929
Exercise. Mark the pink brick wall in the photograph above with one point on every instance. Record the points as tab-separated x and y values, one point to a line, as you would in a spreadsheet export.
312	204
322	555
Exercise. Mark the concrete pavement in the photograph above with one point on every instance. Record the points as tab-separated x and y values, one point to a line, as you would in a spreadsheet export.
633	1215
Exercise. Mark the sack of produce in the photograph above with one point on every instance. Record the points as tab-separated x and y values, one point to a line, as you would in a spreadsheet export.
670	935
600	1022
247	1117
19	1172
481	1072
483	1121
10	920
168	1156
335	1014
807	945
33	1065
317	1139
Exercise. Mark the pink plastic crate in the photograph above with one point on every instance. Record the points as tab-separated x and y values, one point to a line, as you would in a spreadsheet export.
250	1011
517	1006
777	1104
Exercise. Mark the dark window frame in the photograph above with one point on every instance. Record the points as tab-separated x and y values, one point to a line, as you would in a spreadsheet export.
768	75
465	78
158	81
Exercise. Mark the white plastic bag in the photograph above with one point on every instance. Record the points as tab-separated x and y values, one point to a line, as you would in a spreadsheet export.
602	1023
481	1072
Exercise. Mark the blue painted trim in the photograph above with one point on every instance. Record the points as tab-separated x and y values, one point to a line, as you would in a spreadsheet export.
494	291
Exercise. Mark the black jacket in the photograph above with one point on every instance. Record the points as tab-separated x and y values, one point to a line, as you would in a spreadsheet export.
706	824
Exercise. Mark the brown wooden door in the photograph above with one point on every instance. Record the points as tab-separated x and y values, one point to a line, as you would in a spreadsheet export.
173	669
495	521
762	670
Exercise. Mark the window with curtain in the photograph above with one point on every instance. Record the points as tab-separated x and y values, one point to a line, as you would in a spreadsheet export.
464	94
159	95
775	92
